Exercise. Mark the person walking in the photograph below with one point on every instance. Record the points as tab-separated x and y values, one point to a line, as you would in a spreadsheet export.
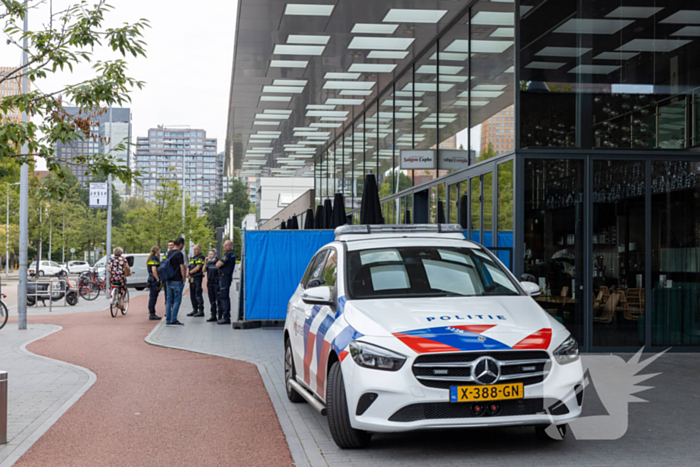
226	265
154	284
213	286
195	273
176	283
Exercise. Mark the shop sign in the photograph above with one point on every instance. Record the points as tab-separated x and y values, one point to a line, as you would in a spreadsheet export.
454	159
412	159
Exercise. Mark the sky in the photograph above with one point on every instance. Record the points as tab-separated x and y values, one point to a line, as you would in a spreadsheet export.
188	66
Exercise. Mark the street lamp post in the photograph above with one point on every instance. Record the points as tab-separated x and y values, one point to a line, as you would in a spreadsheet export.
7	231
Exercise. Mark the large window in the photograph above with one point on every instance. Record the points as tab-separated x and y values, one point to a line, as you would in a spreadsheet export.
607	74
425	272
675	243
618	253
554	237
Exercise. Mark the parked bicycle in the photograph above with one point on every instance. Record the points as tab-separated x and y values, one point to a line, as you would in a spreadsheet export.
119	300
4	313
89	285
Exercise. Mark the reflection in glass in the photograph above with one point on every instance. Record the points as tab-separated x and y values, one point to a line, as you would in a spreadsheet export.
605	74
505	213
675	245
475	209
487	181
618	253
554	237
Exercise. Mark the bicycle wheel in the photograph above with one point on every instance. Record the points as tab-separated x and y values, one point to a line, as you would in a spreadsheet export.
113	303
125	301
88	290
4	314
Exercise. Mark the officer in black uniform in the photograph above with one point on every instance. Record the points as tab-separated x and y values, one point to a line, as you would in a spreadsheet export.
154	285
226	265
213	286
196	274
171	245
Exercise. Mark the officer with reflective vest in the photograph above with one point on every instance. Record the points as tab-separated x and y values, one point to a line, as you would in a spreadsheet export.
213	286
196	274
154	285
226	265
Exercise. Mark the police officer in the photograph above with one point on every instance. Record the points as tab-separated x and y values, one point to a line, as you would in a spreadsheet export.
196	274
226	265
213	286
171	245
152	264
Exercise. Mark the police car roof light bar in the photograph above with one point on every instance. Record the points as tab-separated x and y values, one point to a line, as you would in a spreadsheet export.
398	228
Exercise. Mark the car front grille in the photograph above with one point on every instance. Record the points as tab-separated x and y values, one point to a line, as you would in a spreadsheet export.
442	370
448	410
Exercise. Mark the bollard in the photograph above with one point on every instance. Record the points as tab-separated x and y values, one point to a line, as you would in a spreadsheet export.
3	407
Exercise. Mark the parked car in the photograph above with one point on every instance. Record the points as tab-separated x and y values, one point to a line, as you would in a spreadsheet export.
76	267
48	268
398	328
137	263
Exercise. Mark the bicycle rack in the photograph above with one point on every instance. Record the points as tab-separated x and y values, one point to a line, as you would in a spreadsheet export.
51	291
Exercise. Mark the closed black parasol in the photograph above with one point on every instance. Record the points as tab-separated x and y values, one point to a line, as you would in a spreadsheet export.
309	221
283	226
441	212
318	220
463	211
371	210
339	217
327	214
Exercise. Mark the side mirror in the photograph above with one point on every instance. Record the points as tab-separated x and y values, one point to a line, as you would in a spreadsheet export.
317	296
531	288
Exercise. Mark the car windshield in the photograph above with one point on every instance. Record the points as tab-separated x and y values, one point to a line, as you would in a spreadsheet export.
425	272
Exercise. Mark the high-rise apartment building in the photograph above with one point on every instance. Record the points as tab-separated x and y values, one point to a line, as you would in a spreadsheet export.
111	128
11	87
499	130
160	156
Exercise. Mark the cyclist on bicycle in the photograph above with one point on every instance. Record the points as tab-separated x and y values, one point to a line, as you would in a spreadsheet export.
118	270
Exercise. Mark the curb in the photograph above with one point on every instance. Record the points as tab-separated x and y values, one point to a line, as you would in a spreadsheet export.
298	454
24	446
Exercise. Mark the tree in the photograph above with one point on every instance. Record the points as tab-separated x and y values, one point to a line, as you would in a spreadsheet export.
68	40
386	188
218	212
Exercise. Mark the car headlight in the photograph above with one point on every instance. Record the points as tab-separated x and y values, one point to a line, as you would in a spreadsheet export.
378	358
567	352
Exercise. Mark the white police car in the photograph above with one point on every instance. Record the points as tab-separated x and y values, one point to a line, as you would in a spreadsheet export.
438	334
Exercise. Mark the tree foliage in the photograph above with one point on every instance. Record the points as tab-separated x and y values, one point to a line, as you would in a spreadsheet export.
218	212
70	39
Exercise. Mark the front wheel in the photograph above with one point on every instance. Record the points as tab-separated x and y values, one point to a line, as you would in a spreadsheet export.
41	273
290	374
3	315
88	290
344	435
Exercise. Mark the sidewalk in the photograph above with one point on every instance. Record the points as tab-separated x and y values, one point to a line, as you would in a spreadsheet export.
40	389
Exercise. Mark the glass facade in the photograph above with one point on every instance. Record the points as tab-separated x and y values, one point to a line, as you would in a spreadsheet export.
577	166
603	74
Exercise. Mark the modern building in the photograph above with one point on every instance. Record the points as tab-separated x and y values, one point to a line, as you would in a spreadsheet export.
499	132
160	157
11	87
276	193
111	128
599	198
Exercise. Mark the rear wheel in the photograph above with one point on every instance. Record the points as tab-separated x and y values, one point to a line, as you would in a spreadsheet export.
344	435
113	308
88	290
3	315
290	374
72	298
124	301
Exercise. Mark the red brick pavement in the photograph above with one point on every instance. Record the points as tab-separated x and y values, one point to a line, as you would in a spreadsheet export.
154	406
